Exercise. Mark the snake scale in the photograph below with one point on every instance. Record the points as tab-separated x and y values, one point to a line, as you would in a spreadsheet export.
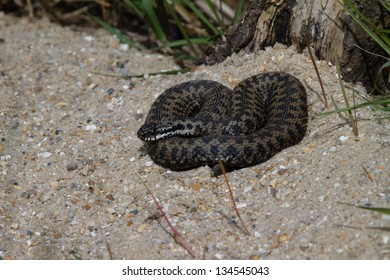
198	122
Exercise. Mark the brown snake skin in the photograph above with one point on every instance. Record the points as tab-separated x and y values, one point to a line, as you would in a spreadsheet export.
199	122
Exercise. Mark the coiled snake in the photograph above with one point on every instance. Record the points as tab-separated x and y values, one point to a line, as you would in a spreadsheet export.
198	122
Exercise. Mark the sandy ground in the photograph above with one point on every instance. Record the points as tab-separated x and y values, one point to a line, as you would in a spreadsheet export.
70	160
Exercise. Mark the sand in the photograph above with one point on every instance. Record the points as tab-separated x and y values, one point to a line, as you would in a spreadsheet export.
70	161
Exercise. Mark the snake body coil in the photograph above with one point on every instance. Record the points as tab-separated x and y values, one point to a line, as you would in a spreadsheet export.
199	122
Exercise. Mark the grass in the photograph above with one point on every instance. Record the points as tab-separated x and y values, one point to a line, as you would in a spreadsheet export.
381	37
196	28
351	116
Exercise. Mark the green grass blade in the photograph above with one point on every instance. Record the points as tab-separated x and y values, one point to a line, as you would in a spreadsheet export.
115	32
381	210
193	41
239	10
386	4
382	104
182	29
133	7
381	39
215	13
169	72
342	88
148	6
202	17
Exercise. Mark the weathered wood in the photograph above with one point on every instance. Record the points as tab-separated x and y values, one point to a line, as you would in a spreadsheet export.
324	24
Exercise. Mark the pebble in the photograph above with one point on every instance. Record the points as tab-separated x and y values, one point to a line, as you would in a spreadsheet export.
188	181
15	226
241	205
343	138
142	227
89	38
385	217
71	166
219	256
123	47
90	127
45	155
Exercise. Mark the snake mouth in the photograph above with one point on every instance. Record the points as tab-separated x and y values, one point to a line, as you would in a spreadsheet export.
152	132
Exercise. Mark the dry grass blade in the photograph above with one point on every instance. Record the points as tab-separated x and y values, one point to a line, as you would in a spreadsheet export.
368	174
108	249
342	88
318	75
175	234
244	228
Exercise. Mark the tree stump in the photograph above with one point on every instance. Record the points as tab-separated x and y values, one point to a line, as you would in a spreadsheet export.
322	24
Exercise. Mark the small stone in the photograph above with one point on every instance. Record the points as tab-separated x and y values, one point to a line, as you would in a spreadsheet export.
219	256
123	47
87	206
385	217
343	138
45	197
111	211
254	257
54	184
142	227
57	235
188	181
282	238
110	91
89	38
196	186
45	155
15	226
332	149
110	197
149	163
241	205
71	166
90	127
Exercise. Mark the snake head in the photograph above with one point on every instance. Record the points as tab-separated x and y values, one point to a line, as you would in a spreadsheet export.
153	131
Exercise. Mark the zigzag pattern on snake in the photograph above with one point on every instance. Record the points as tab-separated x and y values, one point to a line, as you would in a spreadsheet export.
198	122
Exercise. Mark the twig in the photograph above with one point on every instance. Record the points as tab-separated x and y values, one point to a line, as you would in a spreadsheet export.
368	174
176	235
232	197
